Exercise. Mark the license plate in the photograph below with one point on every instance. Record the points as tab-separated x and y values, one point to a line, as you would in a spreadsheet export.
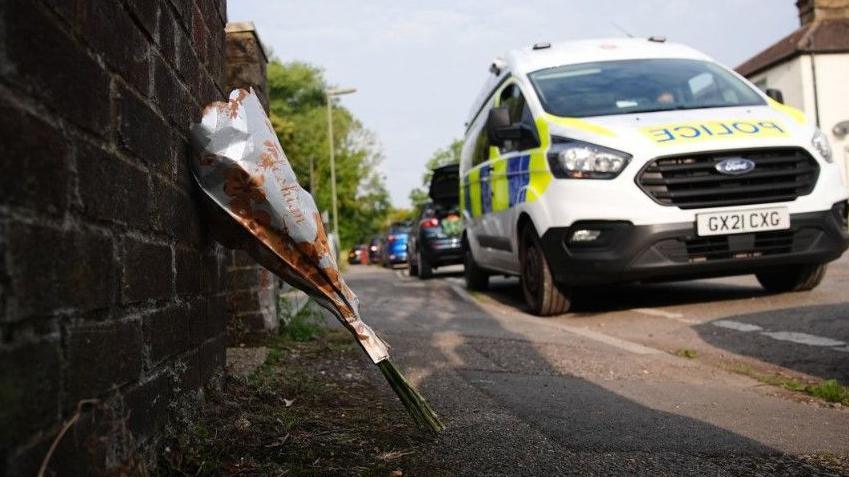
742	221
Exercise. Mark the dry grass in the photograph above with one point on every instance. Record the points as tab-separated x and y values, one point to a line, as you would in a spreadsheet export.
311	409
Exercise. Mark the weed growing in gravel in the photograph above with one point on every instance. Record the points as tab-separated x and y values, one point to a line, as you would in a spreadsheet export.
829	390
305	325
686	353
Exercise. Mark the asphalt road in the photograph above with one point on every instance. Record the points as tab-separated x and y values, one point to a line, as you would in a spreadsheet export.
602	391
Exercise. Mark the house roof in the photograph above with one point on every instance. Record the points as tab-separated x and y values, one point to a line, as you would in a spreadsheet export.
823	36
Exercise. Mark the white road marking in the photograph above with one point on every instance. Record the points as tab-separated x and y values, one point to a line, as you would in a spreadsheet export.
666	314
629	346
790	336
736	325
803	338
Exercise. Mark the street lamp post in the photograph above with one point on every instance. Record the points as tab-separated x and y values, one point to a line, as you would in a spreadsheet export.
331	93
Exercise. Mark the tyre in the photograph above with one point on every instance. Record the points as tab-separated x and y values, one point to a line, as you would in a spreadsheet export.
792	278
542	295
425	270
477	279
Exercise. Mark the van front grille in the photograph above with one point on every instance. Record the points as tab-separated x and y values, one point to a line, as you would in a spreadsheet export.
694	249
692	181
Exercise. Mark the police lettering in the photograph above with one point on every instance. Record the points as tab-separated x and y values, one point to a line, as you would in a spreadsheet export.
715	129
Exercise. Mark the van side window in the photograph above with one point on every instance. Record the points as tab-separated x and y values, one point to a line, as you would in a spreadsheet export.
513	99
481	152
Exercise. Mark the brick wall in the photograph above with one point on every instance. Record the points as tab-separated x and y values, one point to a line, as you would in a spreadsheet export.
110	286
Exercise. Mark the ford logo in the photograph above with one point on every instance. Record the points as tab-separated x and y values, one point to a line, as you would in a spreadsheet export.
735	166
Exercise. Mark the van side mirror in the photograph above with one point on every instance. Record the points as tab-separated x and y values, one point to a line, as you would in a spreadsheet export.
497	122
775	94
499	130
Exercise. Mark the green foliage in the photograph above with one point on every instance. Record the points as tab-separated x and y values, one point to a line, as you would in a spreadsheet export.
399	215
830	390
299	115
302	325
442	157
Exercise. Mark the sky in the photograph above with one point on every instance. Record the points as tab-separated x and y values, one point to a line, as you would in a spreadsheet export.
418	66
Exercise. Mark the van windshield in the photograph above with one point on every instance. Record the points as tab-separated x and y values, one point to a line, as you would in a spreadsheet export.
639	86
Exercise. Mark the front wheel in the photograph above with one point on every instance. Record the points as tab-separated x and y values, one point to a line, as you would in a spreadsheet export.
541	293
792	278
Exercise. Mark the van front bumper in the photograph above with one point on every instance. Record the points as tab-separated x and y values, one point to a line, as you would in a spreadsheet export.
624	252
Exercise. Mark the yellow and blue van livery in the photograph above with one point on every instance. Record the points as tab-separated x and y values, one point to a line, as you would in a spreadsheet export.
602	161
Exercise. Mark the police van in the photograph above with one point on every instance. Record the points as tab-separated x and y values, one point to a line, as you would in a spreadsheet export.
604	161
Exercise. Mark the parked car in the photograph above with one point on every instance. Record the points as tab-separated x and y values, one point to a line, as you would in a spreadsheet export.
395	244
375	249
602	161
436	239
357	254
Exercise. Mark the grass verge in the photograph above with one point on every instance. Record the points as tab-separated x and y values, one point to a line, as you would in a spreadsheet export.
829	390
311	409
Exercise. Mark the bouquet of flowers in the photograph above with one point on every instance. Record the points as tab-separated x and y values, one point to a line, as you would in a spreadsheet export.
256	204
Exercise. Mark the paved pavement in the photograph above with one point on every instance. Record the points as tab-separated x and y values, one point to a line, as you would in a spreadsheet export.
601	391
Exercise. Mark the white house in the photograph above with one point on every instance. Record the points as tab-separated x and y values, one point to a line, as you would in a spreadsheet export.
811	69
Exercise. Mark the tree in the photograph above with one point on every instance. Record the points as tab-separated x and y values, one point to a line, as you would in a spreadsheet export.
442	157
297	105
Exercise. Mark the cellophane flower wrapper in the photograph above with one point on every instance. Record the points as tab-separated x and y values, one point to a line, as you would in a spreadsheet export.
255	203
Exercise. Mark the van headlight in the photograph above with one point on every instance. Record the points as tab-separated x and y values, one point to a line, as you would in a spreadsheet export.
820	143
573	159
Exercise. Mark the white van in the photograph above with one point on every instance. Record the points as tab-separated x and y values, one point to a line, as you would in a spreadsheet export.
603	161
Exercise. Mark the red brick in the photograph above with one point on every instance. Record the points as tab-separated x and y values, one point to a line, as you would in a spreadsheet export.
184	12
175	214
142	133
200	35
188	65
34	171
111	189
53	67
67	9
147	271
222	11
167	30
110	31
191	271
166	333
147	13
212	355
100	356
243	301
209	91
242	279
242	259
171	96
52	269
29	390
148	405
208	317
190	370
